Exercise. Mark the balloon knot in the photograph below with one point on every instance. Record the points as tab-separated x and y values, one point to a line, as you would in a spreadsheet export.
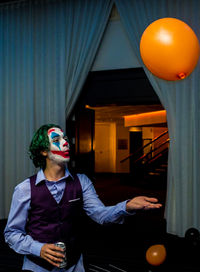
181	75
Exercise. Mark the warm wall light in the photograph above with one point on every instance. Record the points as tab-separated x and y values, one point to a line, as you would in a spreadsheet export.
135	129
147	118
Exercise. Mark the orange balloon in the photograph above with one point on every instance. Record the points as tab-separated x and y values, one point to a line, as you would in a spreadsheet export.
156	254
169	48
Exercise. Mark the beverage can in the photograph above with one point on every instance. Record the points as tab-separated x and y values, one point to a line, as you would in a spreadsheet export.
64	262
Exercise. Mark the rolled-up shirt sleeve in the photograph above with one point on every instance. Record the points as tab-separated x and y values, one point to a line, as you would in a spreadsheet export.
15	233
95	208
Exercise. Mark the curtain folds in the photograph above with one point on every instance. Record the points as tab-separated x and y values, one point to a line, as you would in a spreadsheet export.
181	100
85	26
46	50
32	84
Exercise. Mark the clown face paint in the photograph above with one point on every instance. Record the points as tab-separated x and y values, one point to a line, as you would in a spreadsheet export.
59	146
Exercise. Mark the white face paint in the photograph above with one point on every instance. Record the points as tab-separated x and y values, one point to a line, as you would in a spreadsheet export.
59	146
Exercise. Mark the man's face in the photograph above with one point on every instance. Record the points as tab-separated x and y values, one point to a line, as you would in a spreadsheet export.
59	146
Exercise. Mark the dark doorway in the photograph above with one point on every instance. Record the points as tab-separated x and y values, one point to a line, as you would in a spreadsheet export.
84	140
136	144
120	91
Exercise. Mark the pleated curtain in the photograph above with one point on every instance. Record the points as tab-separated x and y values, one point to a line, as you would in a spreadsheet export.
181	100
46	50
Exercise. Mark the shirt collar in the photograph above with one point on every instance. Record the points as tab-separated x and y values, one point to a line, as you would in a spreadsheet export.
40	176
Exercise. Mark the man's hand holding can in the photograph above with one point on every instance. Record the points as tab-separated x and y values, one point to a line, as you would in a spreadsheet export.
54	254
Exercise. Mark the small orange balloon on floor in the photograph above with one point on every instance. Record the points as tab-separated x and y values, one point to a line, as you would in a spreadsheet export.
169	48
156	254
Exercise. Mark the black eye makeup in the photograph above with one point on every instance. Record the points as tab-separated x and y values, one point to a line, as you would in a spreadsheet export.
66	138
56	139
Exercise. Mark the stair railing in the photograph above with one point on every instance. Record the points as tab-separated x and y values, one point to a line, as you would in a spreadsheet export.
146	156
143	147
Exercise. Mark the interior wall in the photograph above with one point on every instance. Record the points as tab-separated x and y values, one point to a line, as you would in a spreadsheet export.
105	147
122	148
157	131
147	136
111	145
115	51
149	133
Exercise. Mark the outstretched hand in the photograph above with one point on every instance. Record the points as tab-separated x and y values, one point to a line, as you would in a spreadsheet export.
142	203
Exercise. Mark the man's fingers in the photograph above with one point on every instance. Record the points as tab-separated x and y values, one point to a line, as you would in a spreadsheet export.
55	253
150	206
142	203
53	262
55	248
151	199
53	258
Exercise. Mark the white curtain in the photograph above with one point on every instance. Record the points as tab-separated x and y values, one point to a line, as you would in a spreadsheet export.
46	49
85	26
181	100
32	84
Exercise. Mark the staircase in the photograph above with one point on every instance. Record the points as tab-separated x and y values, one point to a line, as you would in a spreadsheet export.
152	165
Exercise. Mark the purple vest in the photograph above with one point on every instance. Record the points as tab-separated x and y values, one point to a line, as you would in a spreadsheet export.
49	222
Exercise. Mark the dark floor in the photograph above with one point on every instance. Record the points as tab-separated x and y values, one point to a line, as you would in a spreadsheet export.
122	247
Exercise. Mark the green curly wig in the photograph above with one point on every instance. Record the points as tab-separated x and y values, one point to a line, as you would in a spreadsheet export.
40	142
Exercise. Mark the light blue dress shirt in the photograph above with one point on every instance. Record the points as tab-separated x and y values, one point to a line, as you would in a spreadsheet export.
15	234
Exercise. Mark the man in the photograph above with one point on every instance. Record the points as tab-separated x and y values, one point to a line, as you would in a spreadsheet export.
46	208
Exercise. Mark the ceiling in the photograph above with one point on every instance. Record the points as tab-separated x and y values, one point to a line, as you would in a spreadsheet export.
116	113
